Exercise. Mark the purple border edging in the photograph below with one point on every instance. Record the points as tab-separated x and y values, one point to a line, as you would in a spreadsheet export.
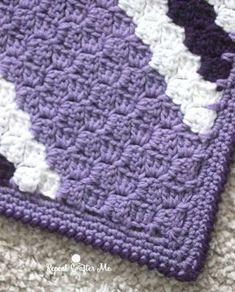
110	237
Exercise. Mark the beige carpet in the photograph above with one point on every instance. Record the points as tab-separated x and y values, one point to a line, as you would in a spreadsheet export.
33	260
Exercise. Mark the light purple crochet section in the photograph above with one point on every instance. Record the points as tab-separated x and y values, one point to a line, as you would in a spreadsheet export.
134	179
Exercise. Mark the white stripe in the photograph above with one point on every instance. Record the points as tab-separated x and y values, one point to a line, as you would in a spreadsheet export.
225	10
174	61
20	148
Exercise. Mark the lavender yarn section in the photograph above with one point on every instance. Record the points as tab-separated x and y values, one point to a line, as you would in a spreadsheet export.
134	180
100	110
203	36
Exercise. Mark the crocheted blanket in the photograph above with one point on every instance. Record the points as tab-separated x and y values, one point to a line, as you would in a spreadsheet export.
117	122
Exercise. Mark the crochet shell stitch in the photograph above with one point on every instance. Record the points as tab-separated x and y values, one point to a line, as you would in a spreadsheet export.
117	122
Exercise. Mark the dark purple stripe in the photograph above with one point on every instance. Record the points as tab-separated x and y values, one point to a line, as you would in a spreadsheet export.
203	36
7	170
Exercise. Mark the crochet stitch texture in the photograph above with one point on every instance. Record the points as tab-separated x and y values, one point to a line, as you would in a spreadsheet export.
117	123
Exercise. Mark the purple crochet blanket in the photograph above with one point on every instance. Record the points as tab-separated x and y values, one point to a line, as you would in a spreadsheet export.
117	122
